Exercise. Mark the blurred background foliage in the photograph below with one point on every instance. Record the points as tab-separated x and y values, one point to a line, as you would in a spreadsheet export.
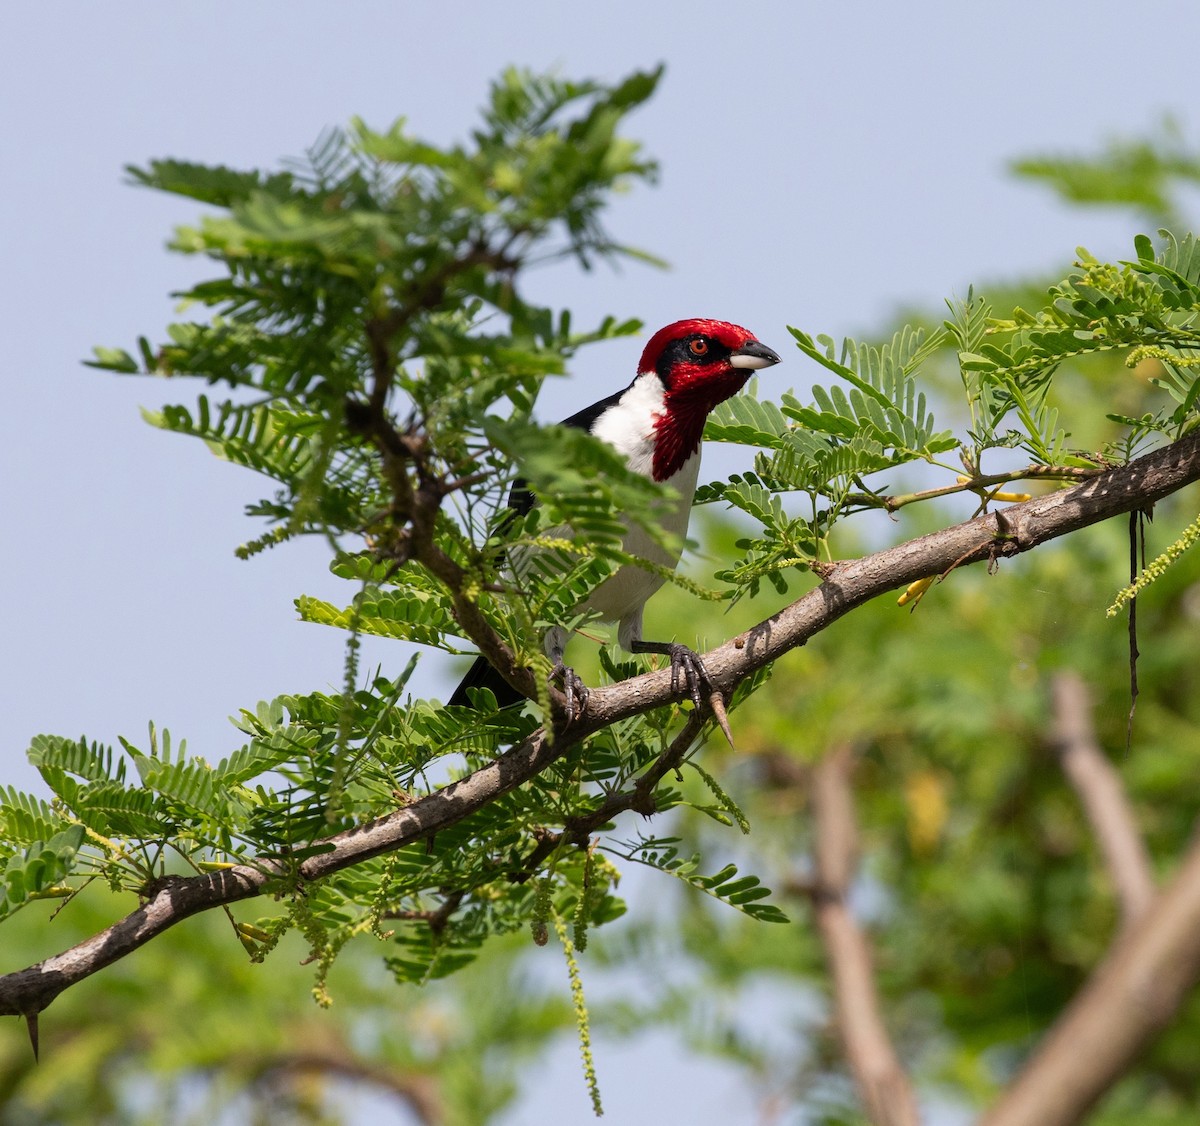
981	887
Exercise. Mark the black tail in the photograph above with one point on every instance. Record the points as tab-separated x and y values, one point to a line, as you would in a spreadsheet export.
482	675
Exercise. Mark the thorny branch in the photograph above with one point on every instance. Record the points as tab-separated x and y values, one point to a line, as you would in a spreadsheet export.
848	584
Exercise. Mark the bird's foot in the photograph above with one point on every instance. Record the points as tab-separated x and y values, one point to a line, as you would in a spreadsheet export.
686	665
575	692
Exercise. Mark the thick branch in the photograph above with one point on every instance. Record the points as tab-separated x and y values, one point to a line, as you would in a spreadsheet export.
1128	1000
1008	532
1103	797
847	585
882	1083
176	898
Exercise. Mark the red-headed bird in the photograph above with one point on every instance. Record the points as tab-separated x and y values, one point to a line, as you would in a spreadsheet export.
657	423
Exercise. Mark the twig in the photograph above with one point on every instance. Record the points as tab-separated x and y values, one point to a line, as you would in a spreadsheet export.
1103	797
414	510
381	330
1137	535
882	1083
852	583
640	798
894	502
437	920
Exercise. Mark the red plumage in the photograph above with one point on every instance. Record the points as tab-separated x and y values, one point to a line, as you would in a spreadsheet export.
691	389
731	335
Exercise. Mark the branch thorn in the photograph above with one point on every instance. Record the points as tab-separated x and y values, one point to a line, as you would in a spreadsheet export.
716	703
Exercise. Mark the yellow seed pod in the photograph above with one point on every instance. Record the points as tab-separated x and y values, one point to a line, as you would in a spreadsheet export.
249	930
916	591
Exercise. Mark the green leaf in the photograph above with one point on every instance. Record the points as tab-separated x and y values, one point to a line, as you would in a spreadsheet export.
113	359
40	866
741	893
89	761
421	616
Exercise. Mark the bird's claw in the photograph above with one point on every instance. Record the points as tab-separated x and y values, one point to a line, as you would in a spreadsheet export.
686	664
575	692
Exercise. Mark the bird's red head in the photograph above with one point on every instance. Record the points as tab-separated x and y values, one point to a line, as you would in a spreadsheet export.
701	363
714	337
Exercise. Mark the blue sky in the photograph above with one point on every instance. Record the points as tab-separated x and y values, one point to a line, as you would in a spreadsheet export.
822	165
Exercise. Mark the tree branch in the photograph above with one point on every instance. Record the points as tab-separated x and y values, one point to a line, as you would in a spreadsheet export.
1129	998
882	1083
418	507
437	920
418	1091
1102	795
847	585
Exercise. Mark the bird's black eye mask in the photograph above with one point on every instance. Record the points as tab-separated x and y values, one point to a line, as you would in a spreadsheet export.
693	351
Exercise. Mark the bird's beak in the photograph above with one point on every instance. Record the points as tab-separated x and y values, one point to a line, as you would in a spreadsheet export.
753	355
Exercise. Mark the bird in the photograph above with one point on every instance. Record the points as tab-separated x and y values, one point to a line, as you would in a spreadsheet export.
656	423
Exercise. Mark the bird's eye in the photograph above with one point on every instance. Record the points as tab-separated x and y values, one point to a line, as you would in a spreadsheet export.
699	346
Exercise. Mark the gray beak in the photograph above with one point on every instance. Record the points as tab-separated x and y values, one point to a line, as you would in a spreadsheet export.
753	355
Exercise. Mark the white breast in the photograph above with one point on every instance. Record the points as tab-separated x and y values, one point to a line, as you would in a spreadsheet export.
628	426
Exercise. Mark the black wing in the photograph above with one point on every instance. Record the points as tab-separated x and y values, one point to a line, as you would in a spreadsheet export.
586	418
482	675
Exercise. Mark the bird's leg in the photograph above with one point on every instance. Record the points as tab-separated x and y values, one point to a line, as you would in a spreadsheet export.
684	662
575	691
